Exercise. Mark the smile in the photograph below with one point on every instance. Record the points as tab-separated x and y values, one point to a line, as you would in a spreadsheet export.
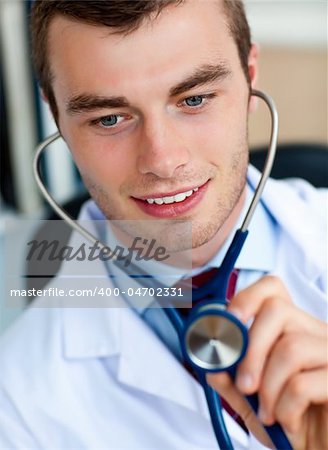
172	204
172	199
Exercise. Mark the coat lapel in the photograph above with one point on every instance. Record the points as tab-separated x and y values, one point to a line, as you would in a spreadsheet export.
111	327
146	364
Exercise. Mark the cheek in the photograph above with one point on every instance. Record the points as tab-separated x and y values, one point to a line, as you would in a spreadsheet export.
222	134
234	132
105	165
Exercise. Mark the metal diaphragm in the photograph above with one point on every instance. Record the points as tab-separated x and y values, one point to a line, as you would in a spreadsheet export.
215	340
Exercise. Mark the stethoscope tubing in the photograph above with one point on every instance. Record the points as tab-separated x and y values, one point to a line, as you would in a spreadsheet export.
276	433
212	397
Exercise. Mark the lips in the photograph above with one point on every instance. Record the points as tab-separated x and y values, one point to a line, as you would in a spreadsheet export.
171	204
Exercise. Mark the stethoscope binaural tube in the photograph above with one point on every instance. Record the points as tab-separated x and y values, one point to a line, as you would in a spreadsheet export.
211	339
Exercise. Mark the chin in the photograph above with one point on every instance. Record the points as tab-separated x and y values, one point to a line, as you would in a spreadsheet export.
204	234
187	236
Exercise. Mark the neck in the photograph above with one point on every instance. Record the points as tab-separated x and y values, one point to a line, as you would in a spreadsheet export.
201	255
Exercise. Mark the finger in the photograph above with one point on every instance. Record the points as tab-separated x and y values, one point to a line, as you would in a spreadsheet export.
224	385
293	353
275	318
266	329
248	302
301	390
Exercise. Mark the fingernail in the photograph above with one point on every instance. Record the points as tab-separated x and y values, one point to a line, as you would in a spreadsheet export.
245	381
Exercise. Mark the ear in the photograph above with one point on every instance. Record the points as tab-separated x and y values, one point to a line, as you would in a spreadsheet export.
253	70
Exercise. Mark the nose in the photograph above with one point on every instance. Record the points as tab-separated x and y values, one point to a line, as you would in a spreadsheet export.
162	149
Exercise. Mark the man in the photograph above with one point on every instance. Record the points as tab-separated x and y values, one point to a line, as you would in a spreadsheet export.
152	99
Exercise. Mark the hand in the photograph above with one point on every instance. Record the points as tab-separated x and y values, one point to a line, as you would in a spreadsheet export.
286	364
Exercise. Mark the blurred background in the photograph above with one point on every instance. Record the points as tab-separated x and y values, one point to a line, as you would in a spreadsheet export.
292	36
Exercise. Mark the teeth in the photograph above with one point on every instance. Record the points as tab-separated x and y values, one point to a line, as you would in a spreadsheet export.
168	200
172	199
180	197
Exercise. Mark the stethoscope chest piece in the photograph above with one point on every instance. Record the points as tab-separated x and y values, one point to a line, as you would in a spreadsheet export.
214	339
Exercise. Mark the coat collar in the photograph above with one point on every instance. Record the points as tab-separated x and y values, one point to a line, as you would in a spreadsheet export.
301	212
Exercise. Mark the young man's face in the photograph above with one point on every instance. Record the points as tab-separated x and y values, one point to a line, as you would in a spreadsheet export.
156	114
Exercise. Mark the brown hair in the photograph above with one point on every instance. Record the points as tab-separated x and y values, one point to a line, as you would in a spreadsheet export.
123	15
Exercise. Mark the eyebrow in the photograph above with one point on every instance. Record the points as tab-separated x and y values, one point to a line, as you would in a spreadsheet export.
88	102
204	74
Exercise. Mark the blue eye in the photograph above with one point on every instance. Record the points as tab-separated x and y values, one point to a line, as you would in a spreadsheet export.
112	123
109	121
195	100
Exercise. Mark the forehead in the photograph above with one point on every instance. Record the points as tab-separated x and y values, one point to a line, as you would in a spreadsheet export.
161	50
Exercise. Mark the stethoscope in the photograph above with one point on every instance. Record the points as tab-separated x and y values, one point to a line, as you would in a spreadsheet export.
211	338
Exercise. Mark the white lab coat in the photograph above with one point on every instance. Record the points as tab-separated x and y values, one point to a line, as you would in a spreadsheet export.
100	379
